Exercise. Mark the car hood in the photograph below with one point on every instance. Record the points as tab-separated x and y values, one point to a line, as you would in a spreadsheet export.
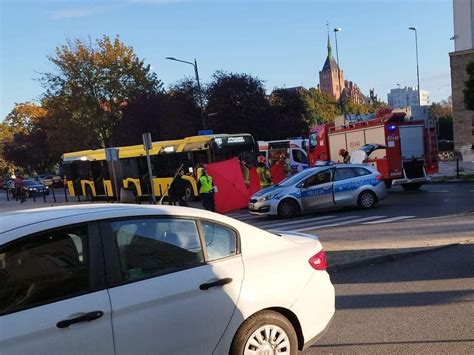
268	190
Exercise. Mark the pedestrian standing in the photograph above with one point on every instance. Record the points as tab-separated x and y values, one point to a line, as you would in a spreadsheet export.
263	173
19	189
178	189
207	191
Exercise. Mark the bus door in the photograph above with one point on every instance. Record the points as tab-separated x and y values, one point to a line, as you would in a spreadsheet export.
97	177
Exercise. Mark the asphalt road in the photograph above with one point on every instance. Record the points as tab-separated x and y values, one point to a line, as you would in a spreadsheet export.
422	304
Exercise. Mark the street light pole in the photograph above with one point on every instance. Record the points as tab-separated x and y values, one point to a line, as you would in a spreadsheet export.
336	30
196	73
413	28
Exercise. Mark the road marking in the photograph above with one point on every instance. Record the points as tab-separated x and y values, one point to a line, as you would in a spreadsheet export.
442	191
352	221
392	219
309	223
290	223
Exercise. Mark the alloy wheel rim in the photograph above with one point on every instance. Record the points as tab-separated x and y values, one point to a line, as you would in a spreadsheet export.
367	200
268	340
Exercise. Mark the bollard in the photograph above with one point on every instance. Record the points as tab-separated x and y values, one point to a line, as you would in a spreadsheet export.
457	168
34	197
54	195
65	194
78	197
44	195
8	195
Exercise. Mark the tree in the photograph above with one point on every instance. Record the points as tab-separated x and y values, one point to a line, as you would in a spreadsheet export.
159	115
28	149
469	87
6	137
96	81
442	113
238	104
289	111
24	116
321	107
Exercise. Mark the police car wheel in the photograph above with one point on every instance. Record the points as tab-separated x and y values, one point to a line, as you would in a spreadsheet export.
366	199
287	208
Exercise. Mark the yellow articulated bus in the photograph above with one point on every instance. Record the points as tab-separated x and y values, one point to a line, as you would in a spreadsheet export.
89	174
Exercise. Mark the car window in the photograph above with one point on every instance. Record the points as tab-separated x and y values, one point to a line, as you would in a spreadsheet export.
319	178
362	171
43	268
156	246
220	241
299	156
344	173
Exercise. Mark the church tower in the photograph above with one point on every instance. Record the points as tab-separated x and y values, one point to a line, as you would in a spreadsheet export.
331	78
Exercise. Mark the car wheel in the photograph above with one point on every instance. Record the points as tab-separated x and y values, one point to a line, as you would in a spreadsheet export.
287	209
411	187
266	332
366	200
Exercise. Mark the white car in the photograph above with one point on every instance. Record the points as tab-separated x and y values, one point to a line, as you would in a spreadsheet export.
127	279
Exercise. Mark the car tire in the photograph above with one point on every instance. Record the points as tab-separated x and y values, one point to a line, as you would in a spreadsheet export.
367	199
287	208
266	330
411	187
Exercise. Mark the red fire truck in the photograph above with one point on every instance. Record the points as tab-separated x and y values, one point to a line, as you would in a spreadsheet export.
403	151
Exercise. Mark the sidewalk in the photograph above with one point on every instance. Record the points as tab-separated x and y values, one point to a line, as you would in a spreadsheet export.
447	171
352	246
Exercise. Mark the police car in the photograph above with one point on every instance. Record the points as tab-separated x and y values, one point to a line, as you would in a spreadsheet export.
320	188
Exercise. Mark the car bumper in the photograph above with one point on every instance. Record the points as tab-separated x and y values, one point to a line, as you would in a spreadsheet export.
262	208
315	307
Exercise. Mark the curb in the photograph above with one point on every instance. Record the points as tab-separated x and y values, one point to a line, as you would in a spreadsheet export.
385	258
453	181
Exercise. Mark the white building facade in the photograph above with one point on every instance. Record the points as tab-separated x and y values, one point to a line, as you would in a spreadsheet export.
407	97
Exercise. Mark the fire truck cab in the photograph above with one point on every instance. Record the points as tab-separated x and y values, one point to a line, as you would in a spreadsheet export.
403	150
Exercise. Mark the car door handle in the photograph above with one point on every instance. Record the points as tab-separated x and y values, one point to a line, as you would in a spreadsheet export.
84	318
220	282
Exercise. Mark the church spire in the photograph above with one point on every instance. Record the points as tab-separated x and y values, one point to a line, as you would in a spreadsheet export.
329	41
329	46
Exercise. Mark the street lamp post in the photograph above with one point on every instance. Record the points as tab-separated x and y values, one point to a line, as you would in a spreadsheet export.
336	30
413	28
196	73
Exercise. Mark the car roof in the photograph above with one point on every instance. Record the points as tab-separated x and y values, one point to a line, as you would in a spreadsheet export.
22	218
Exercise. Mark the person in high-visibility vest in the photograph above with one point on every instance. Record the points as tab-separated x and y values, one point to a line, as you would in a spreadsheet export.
245	172
207	191
263	173
199	170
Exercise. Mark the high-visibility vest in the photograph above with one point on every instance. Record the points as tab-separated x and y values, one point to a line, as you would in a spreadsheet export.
206	184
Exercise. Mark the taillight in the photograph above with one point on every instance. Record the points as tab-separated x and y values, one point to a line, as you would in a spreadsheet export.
318	261
379	177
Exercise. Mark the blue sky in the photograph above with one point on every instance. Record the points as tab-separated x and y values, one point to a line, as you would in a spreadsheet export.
281	42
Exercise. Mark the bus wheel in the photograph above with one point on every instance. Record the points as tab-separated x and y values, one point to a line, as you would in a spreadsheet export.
89	195
189	192
411	187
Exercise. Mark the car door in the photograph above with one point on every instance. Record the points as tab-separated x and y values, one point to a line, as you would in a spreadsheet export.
173	289
317	190
50	301
346	183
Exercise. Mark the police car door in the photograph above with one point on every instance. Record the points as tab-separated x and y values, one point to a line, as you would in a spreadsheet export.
317	190
346	183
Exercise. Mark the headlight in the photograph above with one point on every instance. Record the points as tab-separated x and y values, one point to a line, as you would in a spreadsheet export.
266	198
30	189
